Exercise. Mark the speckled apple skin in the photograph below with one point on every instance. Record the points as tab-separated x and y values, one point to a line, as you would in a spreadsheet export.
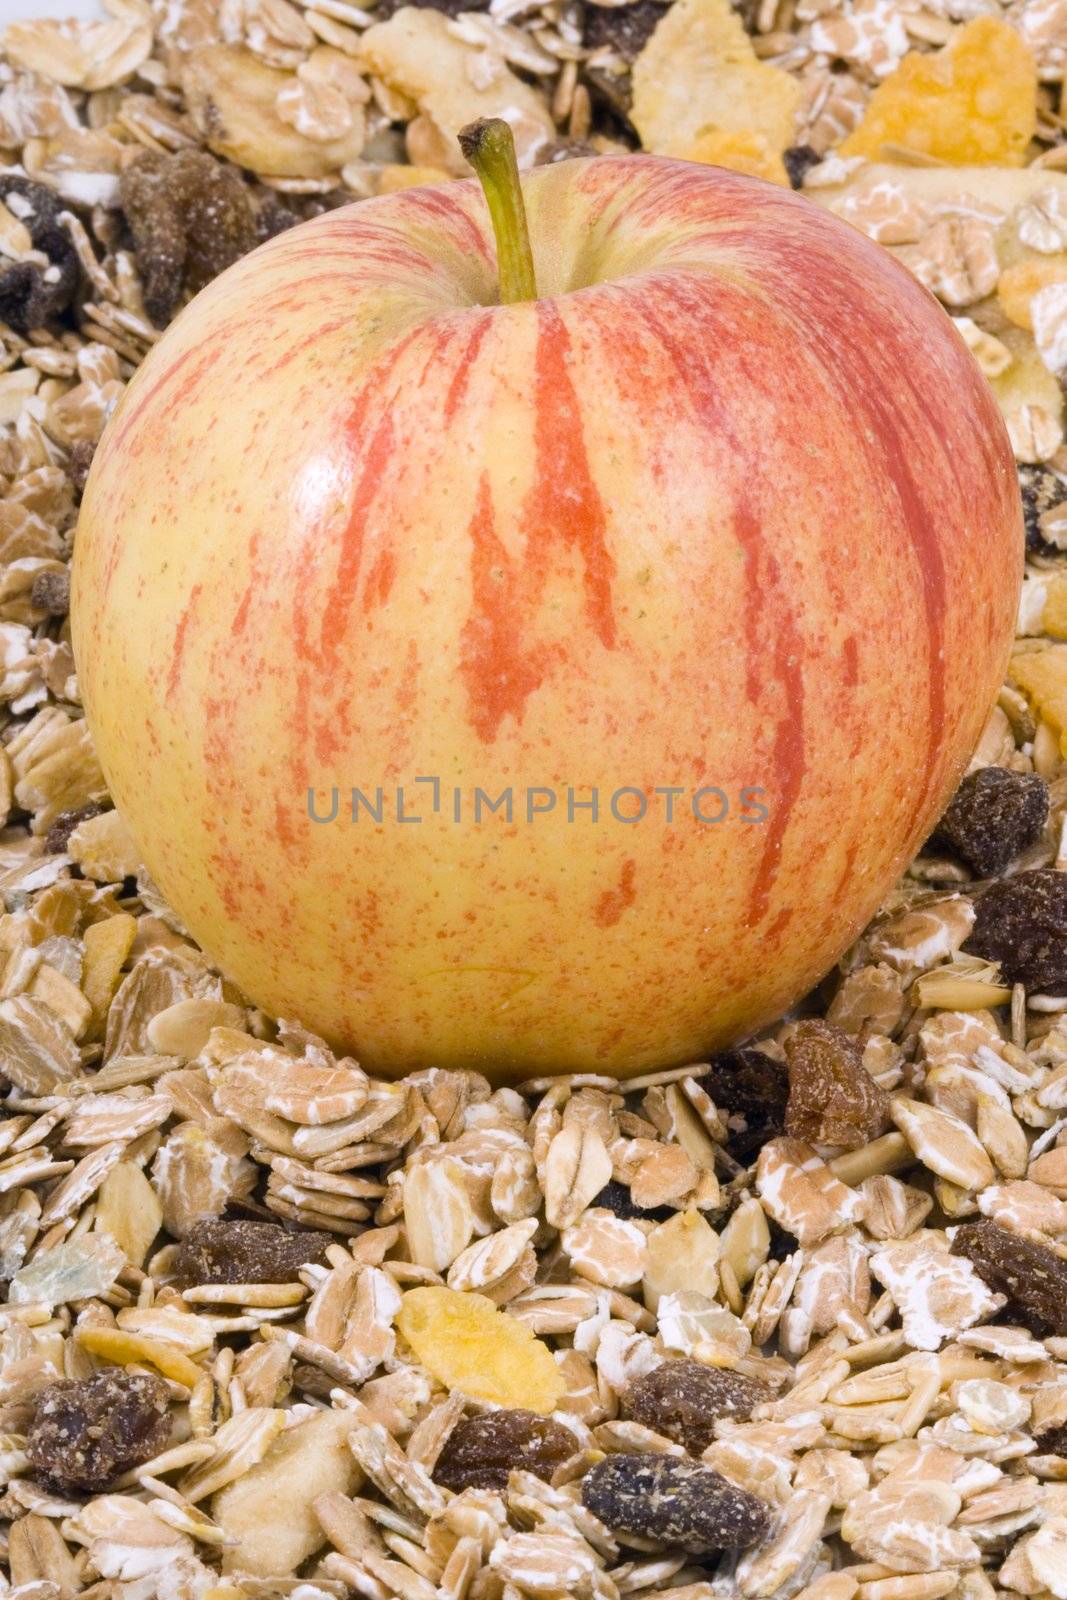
730	504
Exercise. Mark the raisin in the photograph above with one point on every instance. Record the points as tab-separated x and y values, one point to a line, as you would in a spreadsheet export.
683	1399
481	1451
1029	1273
191	217
674	1502
1041	489
623	29
30	295
832	1097
55	840
246	1252
1052	1441
86	1434
79	461
993	817
748	1085
50	591
798	161
616	1198
1022	923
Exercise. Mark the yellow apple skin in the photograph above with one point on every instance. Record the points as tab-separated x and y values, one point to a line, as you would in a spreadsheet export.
729	505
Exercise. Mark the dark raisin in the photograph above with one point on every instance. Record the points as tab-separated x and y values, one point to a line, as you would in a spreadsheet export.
832	1097
246	1252
1029	1273
616	1198
79	461
674	1502
1052	1441
623	29
30	296
58	835
191	217
273	218
799	160
611	89
993	817
481	1451
753	1091
1022	923
683	1399
1041	489
50	591
86	1434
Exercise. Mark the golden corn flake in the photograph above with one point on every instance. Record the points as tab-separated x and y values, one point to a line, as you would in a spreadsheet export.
972	103
741	152
1042	676
698	82
1018	284
469	1345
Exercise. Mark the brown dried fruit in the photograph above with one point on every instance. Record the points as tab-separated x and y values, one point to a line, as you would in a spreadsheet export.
1033	1277
1041	489
79	461
1052	1441
50	591
832	1097
246	1252
674	1502
625	29
191	217
86	1434
993	817
683	1399
798	161
30	295
616	1198
1022	923
752	1090
481	1451
55	840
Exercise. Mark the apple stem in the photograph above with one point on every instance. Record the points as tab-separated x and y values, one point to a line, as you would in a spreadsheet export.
489	146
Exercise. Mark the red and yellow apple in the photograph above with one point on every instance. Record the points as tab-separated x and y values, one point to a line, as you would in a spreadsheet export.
728	507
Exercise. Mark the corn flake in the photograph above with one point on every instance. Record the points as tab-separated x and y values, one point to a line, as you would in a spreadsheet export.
700	93
974	102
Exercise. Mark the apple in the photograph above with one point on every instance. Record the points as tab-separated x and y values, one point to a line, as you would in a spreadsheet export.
691	497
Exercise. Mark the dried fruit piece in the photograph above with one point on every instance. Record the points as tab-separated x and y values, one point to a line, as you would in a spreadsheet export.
1034	1278
85	1434
832	1097
698	77
624	29
246	1252
1022	923
481	1451
469	1345
684	1399
30	295
1052	1441
190	218
798	161
616	1198
994	816
974	102
753	1090
674	1502
1041	489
